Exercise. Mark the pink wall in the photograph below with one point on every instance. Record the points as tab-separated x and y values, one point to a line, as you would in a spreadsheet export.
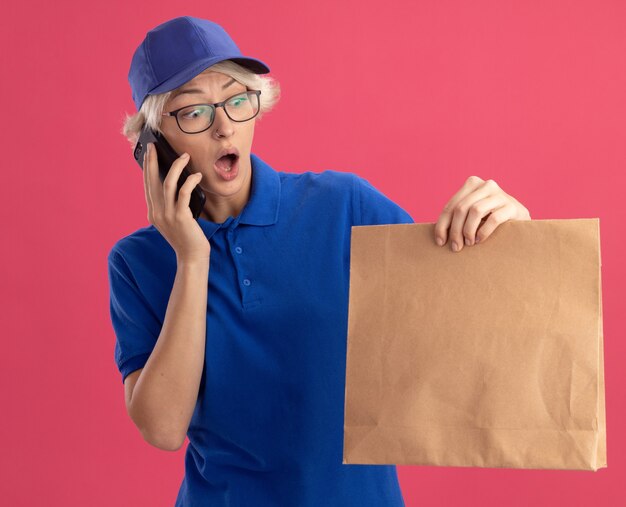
530	94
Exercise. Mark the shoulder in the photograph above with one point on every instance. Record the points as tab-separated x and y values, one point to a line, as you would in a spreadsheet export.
373	207
329	192
328	179
346	191
138	245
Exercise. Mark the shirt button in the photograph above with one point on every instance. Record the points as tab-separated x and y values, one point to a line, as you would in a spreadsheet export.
246	281
238	249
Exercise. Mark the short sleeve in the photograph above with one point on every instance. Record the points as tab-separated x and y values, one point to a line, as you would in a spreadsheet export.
372	207
135	324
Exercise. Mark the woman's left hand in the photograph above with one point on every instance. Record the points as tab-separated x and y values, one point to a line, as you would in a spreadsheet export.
473	213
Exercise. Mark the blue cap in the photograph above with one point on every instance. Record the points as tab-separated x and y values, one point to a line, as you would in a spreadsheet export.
176	51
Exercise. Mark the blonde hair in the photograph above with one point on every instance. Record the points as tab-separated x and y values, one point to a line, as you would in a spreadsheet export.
152	107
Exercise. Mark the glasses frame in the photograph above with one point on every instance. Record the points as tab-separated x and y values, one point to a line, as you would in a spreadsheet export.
215	106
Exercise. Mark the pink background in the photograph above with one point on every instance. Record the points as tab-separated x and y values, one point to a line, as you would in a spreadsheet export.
528	93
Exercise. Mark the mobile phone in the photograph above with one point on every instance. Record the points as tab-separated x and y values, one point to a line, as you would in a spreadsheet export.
166	157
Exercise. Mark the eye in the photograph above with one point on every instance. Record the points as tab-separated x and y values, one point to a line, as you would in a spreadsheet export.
193	112
238	100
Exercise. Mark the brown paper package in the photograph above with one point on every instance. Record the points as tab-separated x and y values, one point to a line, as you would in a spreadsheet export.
488	357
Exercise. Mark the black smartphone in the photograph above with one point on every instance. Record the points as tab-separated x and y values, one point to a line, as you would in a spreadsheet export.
166	156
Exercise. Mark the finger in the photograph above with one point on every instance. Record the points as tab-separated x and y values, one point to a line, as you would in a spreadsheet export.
184	195
154	181
465	208
170	185
445	219
496	218
478	211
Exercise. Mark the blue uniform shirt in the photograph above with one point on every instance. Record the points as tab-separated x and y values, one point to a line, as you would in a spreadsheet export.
267	430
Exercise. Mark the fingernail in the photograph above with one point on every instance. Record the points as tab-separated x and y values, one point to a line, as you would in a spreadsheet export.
477	239
440	241
455	247
467	241
184	155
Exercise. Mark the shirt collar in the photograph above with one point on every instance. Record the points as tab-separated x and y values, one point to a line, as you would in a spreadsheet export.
262	206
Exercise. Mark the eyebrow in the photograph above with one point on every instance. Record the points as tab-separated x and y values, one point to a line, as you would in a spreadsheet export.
198	90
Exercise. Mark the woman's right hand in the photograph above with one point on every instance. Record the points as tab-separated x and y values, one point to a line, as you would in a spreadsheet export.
173	218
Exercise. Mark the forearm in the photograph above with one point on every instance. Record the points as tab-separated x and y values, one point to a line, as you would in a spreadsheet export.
166	391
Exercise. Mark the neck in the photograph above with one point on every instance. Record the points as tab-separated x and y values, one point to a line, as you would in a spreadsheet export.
217	216
218	210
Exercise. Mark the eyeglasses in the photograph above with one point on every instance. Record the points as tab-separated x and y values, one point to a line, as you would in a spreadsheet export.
197	118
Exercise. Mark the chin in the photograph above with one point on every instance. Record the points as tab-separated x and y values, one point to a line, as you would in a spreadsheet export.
218	186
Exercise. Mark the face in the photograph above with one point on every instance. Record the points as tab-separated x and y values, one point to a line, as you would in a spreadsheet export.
224	196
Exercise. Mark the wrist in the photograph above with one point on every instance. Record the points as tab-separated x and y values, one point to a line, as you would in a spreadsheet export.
193	263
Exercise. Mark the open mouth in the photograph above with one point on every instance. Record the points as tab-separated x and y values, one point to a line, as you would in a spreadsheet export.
227	166
227	162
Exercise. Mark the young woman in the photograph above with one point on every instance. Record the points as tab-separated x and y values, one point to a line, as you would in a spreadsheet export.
231	329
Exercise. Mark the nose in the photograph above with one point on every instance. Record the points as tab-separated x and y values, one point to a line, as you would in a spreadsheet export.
222	123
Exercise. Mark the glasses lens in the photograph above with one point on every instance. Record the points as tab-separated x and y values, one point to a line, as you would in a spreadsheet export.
195	118
243	107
